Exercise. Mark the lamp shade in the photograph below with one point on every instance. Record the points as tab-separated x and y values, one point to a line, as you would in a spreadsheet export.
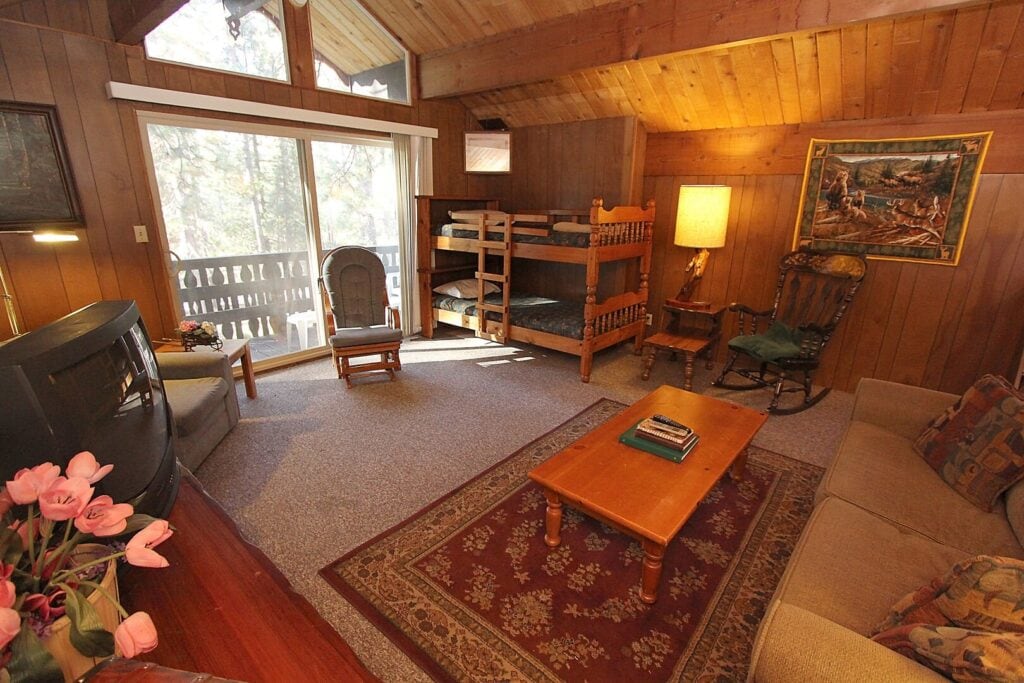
702	216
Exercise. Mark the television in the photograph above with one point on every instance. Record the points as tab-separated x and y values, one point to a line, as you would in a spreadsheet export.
90	382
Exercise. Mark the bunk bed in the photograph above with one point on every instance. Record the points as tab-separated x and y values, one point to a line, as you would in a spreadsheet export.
472	242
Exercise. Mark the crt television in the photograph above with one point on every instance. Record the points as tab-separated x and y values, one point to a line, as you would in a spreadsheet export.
89	382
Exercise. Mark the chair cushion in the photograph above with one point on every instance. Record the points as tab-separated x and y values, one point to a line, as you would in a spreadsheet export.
361	336
977	445
778	341
192	401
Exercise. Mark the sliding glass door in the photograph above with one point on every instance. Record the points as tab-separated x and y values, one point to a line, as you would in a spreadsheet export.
247	216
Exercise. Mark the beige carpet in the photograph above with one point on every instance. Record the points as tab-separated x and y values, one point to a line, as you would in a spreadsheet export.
314	470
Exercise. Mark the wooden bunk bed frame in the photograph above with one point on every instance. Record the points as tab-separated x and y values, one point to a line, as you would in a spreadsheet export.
620	233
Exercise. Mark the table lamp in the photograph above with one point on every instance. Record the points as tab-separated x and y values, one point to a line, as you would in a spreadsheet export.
701	218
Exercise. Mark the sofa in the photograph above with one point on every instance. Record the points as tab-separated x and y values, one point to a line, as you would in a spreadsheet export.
200	390
884	524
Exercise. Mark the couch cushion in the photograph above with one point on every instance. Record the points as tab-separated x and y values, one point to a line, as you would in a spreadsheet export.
977	445
851	566
193	400
880	472
359	336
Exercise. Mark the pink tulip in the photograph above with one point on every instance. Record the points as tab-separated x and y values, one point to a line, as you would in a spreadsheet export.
22	528
102	518
28	484
7	594
65	498
136	635
84	465
139	551
10	624
48	607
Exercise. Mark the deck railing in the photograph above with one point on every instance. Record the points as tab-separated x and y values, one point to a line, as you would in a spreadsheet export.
252	295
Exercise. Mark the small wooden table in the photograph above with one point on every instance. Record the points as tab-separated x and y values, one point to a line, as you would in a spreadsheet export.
234	349
699	337
640	494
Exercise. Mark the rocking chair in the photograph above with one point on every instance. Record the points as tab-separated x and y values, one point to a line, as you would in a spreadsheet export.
361	321
814	290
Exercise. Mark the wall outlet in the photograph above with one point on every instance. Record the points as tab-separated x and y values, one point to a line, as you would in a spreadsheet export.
650	318
140	233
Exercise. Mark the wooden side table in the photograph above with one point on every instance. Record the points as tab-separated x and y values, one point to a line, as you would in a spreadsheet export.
687	331
234	349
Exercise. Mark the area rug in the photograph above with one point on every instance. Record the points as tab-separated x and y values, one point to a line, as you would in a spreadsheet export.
468	589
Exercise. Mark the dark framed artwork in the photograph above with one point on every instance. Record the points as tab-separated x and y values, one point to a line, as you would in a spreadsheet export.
36	185
900	199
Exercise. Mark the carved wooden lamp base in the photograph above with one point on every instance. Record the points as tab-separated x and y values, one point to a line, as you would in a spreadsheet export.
695	268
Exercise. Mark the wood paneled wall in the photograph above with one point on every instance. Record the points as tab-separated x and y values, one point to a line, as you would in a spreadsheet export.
566	165
928	325
70	70
77	16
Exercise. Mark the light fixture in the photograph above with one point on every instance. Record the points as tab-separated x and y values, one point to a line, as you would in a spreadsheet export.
55	236
701	219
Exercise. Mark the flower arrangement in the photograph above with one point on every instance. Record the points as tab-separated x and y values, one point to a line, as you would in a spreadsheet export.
195	333
45	518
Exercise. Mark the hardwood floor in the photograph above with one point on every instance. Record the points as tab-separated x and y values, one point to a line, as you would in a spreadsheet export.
223	608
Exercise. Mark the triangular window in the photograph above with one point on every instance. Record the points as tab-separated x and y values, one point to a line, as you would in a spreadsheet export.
354	54
240	36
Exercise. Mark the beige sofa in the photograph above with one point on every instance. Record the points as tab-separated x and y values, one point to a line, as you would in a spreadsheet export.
201	392
884	524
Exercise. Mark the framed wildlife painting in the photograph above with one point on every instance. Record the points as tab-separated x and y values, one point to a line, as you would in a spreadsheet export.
36	186
902	199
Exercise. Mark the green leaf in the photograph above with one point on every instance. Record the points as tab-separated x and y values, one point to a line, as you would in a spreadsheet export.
11	548
30	662
87	632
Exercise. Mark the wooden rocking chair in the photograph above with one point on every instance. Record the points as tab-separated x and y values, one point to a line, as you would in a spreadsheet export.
361	322
814	290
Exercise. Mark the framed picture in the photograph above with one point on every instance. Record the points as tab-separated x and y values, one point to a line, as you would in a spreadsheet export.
489	152
36	185
901	199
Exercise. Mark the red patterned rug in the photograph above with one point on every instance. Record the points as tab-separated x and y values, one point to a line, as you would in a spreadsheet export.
470	591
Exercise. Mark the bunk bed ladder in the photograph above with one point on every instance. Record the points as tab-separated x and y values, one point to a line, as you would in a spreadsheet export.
487	247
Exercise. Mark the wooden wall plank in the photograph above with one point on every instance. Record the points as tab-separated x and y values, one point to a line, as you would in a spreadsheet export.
936	326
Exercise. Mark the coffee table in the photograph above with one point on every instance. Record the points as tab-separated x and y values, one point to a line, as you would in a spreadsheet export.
642	495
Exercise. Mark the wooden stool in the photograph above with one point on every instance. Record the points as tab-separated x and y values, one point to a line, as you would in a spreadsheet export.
688	346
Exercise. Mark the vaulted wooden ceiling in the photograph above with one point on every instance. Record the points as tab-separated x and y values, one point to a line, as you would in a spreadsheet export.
682	65
866	60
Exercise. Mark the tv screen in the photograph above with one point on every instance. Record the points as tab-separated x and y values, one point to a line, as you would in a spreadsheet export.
89	381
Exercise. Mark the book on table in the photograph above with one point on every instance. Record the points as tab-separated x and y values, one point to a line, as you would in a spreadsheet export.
670	441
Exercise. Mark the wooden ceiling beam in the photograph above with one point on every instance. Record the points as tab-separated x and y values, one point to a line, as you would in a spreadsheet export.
634	29
131	20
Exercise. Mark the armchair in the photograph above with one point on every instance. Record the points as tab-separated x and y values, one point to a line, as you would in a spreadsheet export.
200	391
813	291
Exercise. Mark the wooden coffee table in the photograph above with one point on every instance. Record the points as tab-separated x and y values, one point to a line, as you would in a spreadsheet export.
642	495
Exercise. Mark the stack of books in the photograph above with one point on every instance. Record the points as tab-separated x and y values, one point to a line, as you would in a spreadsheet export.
661	436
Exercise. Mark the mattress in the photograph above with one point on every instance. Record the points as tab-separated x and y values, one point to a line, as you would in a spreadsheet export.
556	238
564	318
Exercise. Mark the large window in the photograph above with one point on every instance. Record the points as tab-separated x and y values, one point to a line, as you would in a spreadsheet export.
248	214
354	54
241	36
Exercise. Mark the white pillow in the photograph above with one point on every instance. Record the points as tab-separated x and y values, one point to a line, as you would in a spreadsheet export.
566	226
466	289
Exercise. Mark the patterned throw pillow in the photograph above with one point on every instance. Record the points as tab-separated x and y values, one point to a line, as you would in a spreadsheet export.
985	592
977	445
961	654
967	624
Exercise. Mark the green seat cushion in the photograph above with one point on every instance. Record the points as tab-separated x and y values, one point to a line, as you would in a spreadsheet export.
778	341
